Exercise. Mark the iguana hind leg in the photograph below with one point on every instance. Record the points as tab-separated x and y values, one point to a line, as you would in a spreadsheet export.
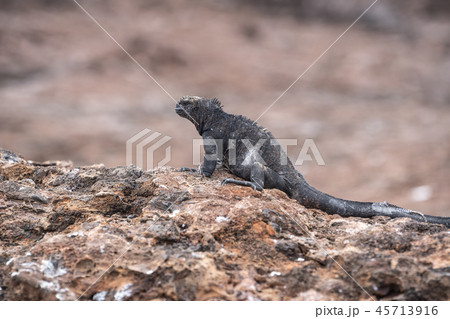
261	177
255	186
188	169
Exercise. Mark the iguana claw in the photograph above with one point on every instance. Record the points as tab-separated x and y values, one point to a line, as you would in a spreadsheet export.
242	183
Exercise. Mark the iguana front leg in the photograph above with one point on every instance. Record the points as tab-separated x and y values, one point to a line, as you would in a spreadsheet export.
211	155
209	159
261	177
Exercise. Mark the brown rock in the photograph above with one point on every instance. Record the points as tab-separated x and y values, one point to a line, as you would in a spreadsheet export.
99	233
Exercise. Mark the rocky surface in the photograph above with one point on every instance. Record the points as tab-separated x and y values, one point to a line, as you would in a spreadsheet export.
169	235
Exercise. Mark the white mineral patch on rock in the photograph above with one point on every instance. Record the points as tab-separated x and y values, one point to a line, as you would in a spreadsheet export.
100	296
123	293
275	273
222	219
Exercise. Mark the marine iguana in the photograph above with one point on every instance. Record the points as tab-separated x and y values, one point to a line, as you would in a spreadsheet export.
251	152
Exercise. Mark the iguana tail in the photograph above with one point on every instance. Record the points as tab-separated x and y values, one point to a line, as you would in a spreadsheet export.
310	197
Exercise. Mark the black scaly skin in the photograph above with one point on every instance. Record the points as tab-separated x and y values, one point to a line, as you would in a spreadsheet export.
213	123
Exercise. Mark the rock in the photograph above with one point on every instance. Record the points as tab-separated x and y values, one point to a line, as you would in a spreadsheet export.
98	233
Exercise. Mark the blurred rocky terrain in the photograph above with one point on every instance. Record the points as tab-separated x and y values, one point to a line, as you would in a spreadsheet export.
377	104
169	235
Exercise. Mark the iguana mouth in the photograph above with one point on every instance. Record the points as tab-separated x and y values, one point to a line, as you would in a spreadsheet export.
180	110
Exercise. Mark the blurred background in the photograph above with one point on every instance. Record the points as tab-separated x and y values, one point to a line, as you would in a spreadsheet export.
377	104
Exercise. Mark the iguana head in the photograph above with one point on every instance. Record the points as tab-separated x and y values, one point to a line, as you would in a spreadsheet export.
197	109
